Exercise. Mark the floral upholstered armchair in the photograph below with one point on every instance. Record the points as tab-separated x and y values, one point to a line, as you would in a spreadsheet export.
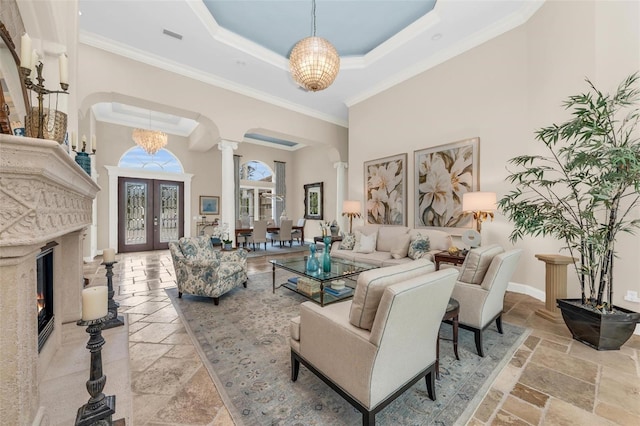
203	271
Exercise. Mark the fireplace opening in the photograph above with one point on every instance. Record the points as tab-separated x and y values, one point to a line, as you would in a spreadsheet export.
44	293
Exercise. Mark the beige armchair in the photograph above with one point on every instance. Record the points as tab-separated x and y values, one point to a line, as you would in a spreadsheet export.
373	348
480	288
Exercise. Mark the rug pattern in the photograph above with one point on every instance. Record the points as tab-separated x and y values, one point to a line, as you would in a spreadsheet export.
246	343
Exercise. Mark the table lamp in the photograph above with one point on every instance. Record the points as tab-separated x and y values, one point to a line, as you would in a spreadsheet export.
351	209
481	204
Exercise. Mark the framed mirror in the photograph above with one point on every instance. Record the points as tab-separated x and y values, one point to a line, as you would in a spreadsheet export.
13	96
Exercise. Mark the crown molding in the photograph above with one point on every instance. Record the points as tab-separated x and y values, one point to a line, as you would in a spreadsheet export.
138	55
510	22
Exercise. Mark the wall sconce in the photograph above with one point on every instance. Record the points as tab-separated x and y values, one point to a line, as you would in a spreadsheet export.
481	204
351	209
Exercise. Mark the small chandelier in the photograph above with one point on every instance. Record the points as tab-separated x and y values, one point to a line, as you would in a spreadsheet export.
151	141
314	62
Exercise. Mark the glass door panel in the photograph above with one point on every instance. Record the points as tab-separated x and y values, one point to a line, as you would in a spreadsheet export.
150	214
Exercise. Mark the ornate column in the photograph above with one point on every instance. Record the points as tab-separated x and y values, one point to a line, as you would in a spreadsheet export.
555	284
341	170
227	206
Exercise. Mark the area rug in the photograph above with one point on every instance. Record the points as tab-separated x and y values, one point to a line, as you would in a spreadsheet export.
276	249
244	342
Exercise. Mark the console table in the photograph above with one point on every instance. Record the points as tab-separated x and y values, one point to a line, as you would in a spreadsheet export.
446	257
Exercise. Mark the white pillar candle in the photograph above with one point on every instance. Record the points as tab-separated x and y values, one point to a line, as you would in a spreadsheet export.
64	68
94	303
34	61
74	142
109	255
25	51
84	143
94	143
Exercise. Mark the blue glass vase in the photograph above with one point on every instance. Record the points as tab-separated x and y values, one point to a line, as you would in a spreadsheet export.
312	262
326	257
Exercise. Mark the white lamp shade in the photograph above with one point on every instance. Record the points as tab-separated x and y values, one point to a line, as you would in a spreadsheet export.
479	201
350	206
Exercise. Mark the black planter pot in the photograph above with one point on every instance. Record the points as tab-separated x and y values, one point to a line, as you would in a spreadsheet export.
601	332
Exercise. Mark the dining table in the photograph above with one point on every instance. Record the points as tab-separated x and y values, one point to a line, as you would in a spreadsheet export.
272	229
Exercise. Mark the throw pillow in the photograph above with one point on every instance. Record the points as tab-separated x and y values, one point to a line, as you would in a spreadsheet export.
418	247
400	247
367	244
477	263
371	285
348	241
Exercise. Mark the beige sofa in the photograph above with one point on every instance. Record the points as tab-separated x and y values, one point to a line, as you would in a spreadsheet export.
387	238
374	347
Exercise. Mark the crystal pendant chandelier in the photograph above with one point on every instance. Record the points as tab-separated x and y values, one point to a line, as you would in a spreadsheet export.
151	141
314	62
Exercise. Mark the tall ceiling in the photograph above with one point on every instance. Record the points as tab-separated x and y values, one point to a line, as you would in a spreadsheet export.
243	45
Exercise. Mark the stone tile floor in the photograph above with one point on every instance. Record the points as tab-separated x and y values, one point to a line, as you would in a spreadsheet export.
551	379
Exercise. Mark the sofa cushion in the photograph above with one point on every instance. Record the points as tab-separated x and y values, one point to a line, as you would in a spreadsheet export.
376	258
400	247
387	236
371	284
439	240
348	241
419	247
365	244
477	263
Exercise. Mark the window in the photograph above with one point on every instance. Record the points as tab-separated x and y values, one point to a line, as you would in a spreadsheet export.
163	161
257	171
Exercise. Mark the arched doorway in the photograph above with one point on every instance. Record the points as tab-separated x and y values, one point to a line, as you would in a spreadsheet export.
150	200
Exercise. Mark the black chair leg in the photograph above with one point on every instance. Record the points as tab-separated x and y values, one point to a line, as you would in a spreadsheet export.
244	284
499	324
295	368
368	418
431	385
179	295
478	336
216	301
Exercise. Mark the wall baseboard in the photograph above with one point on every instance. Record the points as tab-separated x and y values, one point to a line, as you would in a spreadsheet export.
540	295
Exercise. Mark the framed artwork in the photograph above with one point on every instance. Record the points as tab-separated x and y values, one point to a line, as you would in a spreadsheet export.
209	204
313	200
443	173
385	183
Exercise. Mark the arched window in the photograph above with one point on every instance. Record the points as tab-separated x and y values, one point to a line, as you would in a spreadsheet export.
163	161
257	171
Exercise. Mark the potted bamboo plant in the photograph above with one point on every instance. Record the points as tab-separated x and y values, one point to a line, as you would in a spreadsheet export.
584	191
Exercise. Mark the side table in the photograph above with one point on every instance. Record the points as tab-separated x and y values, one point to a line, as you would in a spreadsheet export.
450	315
446	257
333	240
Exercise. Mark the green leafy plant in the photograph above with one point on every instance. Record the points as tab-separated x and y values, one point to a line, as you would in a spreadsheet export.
585	189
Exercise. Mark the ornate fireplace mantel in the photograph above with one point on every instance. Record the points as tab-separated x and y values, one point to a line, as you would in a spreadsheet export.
44	196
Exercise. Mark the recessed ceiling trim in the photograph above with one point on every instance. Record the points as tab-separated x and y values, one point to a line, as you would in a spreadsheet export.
114	47
272	145
234	40
506	24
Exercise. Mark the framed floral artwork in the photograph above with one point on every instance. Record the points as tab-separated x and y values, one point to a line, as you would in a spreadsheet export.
386	190
443	173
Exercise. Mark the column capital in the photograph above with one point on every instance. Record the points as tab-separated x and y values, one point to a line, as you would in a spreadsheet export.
340	164
224	145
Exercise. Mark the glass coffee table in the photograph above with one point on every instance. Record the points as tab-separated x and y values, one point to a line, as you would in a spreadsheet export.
341	269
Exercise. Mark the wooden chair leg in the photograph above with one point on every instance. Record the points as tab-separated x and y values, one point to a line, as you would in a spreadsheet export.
179	295
216	301
244	284
368	418
499	324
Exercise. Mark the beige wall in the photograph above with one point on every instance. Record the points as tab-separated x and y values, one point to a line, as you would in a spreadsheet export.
501	92
225	115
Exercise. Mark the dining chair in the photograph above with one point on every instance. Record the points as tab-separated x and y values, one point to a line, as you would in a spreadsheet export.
297	233
284	233
259	234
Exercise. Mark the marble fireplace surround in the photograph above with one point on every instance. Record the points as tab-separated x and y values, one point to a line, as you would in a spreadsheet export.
44	197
